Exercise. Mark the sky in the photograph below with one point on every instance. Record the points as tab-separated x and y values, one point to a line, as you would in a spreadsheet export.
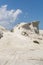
13	12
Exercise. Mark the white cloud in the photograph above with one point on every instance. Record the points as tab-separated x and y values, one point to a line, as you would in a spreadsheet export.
8	16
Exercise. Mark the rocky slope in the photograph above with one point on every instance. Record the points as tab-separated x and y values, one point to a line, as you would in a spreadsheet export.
23	45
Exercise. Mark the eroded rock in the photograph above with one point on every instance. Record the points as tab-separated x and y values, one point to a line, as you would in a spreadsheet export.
1	34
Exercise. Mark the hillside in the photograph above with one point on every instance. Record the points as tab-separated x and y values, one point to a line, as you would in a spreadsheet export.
23	45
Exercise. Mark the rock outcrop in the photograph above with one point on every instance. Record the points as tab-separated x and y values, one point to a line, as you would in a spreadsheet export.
34	27
2	31
1	34
27	28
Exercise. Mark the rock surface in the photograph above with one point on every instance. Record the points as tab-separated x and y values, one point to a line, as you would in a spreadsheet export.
22	46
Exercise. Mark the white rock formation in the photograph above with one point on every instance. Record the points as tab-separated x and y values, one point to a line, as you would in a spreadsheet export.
2	31
23	46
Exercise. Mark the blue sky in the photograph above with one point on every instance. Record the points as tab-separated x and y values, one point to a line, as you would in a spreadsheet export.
28	11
